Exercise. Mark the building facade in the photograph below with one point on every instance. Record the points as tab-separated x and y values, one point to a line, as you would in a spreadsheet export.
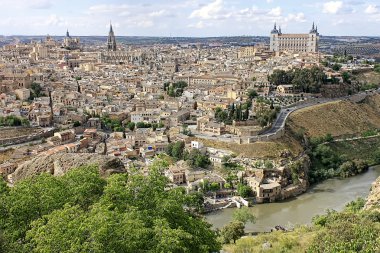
70	43
299	43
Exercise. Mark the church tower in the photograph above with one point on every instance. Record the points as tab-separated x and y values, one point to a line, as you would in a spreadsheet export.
111	42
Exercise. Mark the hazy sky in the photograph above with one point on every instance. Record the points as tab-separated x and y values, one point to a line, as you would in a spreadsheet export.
188	17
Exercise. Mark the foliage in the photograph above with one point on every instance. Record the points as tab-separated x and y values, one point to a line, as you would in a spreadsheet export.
112	124
307	80
198	160
244	190
131	125
369	133
351	168
355	206
244	215
77	124
377	68
175	89
336	67
252	94
35	89
82	212
346	232
238	112
13	121
232	231
176	150
368	86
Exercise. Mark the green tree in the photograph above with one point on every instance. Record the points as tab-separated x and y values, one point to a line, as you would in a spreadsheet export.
252	94
244	191
244	215
77	124
232	231
131	125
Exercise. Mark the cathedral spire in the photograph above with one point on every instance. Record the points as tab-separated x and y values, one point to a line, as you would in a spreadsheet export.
111	29
67	33
111	41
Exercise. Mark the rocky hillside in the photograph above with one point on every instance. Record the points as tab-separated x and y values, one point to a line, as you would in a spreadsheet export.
373	200
59	164
342	118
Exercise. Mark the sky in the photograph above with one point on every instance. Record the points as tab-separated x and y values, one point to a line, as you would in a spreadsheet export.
189	18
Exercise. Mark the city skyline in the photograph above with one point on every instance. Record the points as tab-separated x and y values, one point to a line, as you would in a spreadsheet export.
192	18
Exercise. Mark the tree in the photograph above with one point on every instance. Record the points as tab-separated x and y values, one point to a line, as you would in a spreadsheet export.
198	160
77	124
244	190
244	215
36	90
232	231
252	94
336	67
131	125
82	212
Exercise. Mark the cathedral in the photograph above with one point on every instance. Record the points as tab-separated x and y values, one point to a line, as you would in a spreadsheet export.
298	43
111	41
114	56
70	43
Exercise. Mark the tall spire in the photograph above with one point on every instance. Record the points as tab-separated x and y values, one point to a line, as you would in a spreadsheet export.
313	26
67	33
275	26
111	41
111	30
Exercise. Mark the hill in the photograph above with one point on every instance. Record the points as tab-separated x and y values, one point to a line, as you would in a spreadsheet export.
342	118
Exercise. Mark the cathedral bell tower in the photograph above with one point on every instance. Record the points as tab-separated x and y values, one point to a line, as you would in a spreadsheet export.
111	41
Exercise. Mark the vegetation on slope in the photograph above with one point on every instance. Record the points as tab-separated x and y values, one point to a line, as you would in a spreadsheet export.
82	212
352	230
367	149
342	118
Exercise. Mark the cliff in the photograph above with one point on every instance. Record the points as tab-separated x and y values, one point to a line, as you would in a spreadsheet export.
373	199
59	164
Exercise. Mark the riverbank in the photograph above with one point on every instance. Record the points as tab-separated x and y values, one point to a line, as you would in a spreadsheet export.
330	194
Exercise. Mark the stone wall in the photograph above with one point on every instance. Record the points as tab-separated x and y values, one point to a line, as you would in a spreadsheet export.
26	138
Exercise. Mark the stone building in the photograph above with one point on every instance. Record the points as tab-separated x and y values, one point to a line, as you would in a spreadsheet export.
307	43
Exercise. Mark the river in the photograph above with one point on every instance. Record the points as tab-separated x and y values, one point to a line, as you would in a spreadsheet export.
330	194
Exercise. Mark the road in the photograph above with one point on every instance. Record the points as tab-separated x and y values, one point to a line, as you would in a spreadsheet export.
284	113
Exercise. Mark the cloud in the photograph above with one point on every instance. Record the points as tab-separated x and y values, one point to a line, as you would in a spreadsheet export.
198	25
40	4
275	12
371	9
299	17
209	11
332	7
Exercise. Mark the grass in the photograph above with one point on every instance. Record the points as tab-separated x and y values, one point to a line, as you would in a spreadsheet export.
271	150
369	77
16	132
5	156
294	241
340	119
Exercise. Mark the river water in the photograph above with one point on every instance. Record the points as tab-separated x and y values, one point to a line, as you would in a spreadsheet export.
330	194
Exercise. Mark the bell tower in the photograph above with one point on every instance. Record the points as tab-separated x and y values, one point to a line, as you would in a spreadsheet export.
111	41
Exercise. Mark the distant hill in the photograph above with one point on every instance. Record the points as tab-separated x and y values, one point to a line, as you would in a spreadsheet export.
340	119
